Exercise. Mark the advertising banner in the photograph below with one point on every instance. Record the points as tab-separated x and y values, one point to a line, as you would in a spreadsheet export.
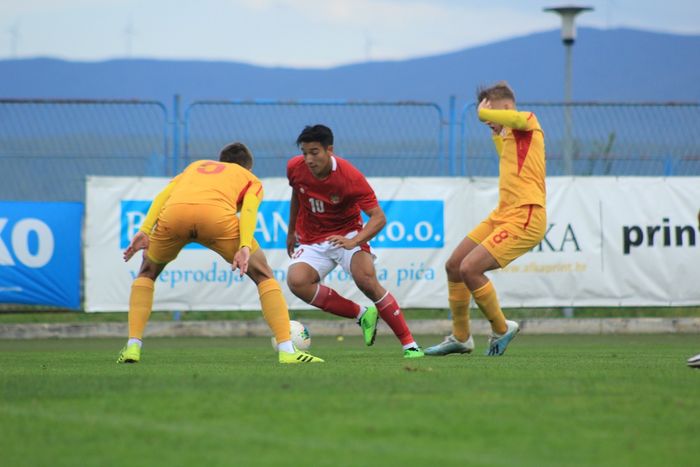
609	242
40	253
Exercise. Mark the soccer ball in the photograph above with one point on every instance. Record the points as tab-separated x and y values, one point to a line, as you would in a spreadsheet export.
300	336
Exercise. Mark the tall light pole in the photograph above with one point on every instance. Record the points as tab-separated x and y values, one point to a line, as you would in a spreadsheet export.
568	36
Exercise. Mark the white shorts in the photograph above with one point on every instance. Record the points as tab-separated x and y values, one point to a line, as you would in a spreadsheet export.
324	257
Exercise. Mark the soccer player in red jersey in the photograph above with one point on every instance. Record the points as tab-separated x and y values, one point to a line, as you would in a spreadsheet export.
328	194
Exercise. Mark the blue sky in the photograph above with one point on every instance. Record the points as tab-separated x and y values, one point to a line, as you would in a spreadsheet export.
300	33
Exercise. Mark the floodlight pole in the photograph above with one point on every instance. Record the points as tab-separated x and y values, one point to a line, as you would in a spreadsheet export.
568	36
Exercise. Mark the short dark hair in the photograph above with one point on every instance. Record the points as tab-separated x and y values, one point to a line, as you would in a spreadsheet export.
316	134
237	153
500	90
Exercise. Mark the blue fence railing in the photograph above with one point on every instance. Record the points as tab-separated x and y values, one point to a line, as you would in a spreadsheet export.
382	139
48	147
619	139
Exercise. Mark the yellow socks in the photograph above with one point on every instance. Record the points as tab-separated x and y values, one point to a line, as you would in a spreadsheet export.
140	304
485	297
274	309
458	296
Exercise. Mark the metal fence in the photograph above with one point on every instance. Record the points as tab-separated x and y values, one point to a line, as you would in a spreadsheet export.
48	147
606	139
379	138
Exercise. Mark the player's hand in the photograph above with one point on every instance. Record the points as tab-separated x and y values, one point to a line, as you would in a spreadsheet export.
484	104
291	243
139	242
240	260
339	240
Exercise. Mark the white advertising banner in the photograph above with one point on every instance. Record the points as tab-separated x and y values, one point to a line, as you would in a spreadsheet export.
609	242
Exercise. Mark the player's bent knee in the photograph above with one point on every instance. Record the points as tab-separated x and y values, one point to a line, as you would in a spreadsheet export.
466	270
298	284
150	269
367	283
452	267
258	268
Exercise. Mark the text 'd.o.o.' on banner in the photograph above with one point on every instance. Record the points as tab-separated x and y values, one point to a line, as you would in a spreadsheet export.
609	242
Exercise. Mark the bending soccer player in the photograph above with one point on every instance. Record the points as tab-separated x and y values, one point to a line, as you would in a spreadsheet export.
328	194
201	205
512	229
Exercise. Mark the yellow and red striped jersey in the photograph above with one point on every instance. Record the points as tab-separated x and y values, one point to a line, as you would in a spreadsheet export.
214	183
522	165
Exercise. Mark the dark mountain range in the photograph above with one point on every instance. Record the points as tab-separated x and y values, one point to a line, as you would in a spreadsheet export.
609	65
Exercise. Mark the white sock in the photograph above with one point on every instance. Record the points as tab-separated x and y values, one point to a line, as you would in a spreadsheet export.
362	312
133	340
286	347
410	345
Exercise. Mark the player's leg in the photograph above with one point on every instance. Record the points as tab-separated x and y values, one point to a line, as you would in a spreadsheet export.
165	244
516	233
473	267
460	341
309	265
140	305
361	266
457	293
274	307
218	230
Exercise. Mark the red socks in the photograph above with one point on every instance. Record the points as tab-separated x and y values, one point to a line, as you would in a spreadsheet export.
330	301
390	312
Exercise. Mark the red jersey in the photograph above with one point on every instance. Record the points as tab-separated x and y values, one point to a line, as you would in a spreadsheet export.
330	206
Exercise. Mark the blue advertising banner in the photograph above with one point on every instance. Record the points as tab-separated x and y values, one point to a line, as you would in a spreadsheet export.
411	224
40	253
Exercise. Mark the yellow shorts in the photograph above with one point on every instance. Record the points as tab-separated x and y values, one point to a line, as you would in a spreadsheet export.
511	233
179	224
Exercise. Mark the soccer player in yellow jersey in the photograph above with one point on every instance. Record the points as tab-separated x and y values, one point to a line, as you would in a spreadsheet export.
512	229
201	205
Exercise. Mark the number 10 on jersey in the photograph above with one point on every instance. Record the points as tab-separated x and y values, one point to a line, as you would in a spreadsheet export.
317	205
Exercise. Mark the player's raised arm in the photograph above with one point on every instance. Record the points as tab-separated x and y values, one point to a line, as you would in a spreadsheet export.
292	226
508	118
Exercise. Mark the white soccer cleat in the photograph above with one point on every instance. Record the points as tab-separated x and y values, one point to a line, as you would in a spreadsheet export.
499	342
694	362
451	345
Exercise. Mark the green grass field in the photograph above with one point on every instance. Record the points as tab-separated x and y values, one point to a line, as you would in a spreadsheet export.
550	401
9	315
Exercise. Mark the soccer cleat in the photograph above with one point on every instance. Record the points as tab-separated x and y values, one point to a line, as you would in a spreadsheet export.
694	362
130	354
451	346
299	357
368	323
499	342
413	352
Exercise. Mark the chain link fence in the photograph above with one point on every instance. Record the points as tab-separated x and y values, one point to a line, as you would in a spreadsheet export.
380	139
606	139
48	147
